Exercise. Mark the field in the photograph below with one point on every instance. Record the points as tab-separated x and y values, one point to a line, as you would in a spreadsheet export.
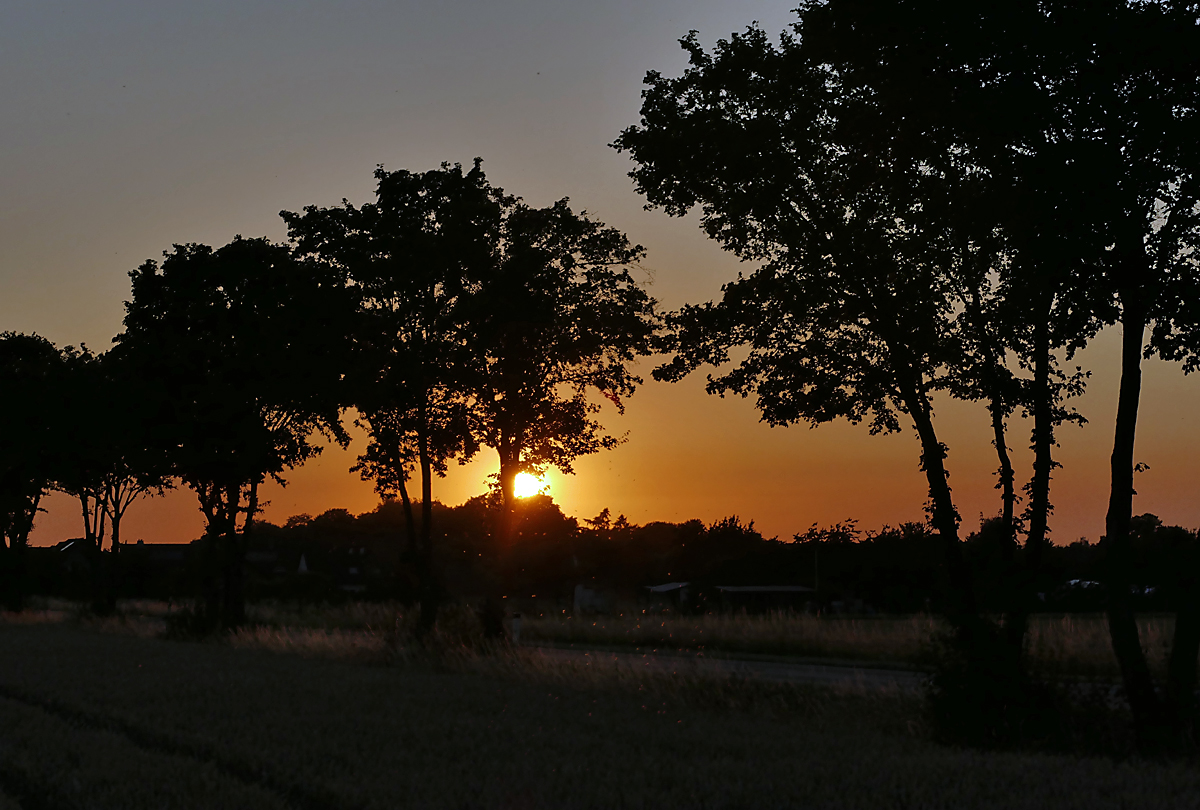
1066	644
124	720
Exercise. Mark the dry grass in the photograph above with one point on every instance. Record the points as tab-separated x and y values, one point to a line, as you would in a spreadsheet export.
50	762
349	645
898	638
1079	645
1069	644
1073	645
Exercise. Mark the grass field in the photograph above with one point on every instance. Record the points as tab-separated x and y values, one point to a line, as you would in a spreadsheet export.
1058	644
1068	644
104	720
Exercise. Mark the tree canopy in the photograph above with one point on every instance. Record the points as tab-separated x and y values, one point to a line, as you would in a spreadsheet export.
242	347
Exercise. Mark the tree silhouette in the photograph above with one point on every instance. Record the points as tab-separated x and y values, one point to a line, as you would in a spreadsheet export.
553	313
1087	112
978	88
107	457
82	474
238	351
409	256
31	371
851	312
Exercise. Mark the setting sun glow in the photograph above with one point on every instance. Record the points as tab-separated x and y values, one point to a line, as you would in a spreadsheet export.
526	485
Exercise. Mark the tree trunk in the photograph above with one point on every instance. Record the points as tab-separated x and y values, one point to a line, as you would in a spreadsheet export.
235	584
510	466
962	608
210	505
233	602
1039	496
10	598
430	592
1181	672
1008	494
1122	625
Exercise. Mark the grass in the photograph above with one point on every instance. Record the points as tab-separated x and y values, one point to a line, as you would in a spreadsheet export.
49	761
1069	644
155	723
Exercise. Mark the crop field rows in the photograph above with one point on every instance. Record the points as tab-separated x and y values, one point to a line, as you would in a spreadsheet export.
98	720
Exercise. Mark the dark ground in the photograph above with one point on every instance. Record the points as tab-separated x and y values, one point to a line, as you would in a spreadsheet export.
91	720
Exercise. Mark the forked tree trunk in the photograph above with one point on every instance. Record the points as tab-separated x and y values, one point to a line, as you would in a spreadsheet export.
1122	625
235	576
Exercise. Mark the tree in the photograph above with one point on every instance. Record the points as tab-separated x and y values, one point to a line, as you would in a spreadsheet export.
1088	112
239	351
552	313
30	375
851	313
977	88
107	460
409	256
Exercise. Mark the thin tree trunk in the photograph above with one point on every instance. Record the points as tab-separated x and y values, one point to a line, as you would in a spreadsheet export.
963	607
1039	496
1122	625
410	521
1008	494
210	505
1181	670
235	591
429	588
510	467
234	597
8	591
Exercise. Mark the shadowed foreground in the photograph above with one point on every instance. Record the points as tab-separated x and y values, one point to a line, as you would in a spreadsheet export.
95	720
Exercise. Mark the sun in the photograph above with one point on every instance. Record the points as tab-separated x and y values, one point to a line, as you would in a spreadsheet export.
527	485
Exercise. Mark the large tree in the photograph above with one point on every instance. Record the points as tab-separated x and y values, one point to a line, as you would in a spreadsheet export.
1086	115
238	352
851	313
483	322
409	256
554	314
31	375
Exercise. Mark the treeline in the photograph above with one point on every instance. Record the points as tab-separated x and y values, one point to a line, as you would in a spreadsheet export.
449	315
337	556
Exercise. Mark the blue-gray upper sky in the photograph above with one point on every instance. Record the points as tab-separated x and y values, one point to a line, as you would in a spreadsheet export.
129	126
132	125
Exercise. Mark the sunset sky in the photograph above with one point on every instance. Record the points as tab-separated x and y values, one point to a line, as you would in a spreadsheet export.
130	126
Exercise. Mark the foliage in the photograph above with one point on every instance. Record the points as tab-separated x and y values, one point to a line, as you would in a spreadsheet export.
242	346
31	375
553	313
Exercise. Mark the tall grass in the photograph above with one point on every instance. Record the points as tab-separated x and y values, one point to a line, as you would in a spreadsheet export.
896	639
1058	644
1072	645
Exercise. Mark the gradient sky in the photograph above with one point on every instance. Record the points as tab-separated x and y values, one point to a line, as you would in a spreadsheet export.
130	126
